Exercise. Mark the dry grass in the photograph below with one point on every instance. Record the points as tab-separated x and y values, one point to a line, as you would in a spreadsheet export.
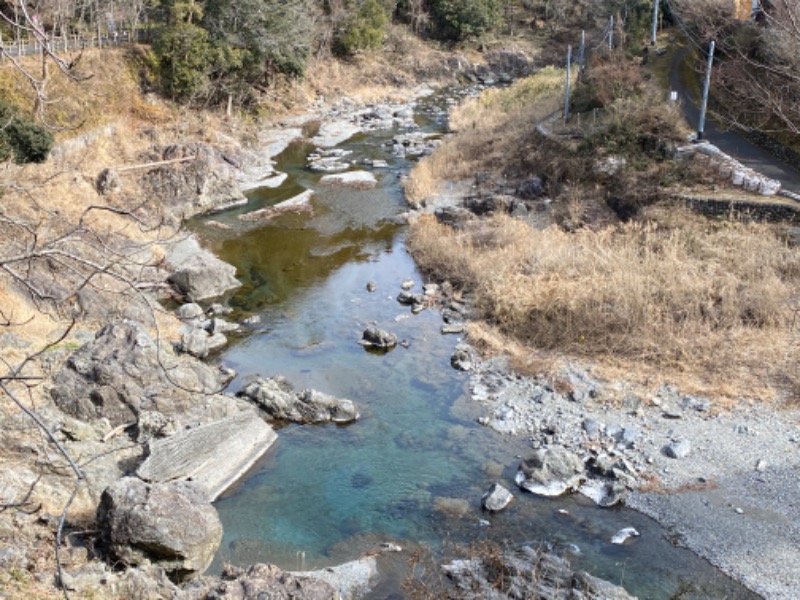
681	293
490	130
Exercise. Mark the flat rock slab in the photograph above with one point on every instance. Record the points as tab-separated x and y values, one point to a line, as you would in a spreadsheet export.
213	456
361	180
334	133
297	204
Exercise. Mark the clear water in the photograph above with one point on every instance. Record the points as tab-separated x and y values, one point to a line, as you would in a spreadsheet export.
410	470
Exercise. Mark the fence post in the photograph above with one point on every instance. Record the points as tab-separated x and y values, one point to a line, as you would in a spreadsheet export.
704	105
566	96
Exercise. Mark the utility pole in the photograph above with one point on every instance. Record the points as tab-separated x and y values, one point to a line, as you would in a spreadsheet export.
655	24
611	34
566	96
582	55
704	104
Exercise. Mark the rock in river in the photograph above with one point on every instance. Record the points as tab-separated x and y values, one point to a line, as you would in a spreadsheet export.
212	456
379	339
198	274
496	498
276	397
170	524
550	472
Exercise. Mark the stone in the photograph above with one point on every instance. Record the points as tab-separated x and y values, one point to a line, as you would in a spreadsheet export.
407	284
266	581
678	449
525	573
378	339
218	325
624	535
198	274
409	299
169	524
121	373
372	286
195	342
212	456
190	311
604	493
496	498
550	472
592	428
361	180
531	188
301	203
205	181
461	360
452	328
276	397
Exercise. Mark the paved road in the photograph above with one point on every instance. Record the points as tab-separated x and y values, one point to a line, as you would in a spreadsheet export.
730	142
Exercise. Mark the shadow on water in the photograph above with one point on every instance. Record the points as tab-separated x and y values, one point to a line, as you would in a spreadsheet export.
409	470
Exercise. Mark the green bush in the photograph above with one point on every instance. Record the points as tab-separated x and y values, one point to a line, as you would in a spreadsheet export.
184	59
462	19
364	30
22	138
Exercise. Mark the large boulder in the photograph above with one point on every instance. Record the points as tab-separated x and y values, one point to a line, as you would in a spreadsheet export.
121	374
212	456
199	179
198	274
551	472
525	573
276	397
169	524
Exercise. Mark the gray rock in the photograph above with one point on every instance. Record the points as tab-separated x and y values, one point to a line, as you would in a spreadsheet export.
276	397
604	493
205	182
496	498
202	276
452	328
217	341
212	456
378	339
678	449
195	342
372	286
409	299
120	373
624	535
170	524
264	581
218	325
531	189
592	428
550	472
461	359
524	573
190	311
252	320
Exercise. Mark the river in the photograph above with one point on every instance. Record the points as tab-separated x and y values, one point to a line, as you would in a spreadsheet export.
412	470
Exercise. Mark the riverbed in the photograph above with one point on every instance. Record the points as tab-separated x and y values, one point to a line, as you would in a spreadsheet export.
410	471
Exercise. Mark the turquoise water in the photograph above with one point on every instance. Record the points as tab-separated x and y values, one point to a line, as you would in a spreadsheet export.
410	470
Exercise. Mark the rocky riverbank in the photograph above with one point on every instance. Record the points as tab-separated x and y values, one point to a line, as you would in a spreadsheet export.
719	476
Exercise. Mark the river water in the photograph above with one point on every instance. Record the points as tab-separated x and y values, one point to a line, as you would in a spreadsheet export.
412	469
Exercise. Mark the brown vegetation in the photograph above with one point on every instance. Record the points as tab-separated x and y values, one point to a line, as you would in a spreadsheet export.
686	294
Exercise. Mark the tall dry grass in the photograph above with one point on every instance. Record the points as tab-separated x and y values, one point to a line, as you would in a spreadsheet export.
490	129
712	298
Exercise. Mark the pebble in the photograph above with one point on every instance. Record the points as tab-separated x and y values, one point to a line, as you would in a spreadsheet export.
371	286
407	284
678	449
623	535
739	511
